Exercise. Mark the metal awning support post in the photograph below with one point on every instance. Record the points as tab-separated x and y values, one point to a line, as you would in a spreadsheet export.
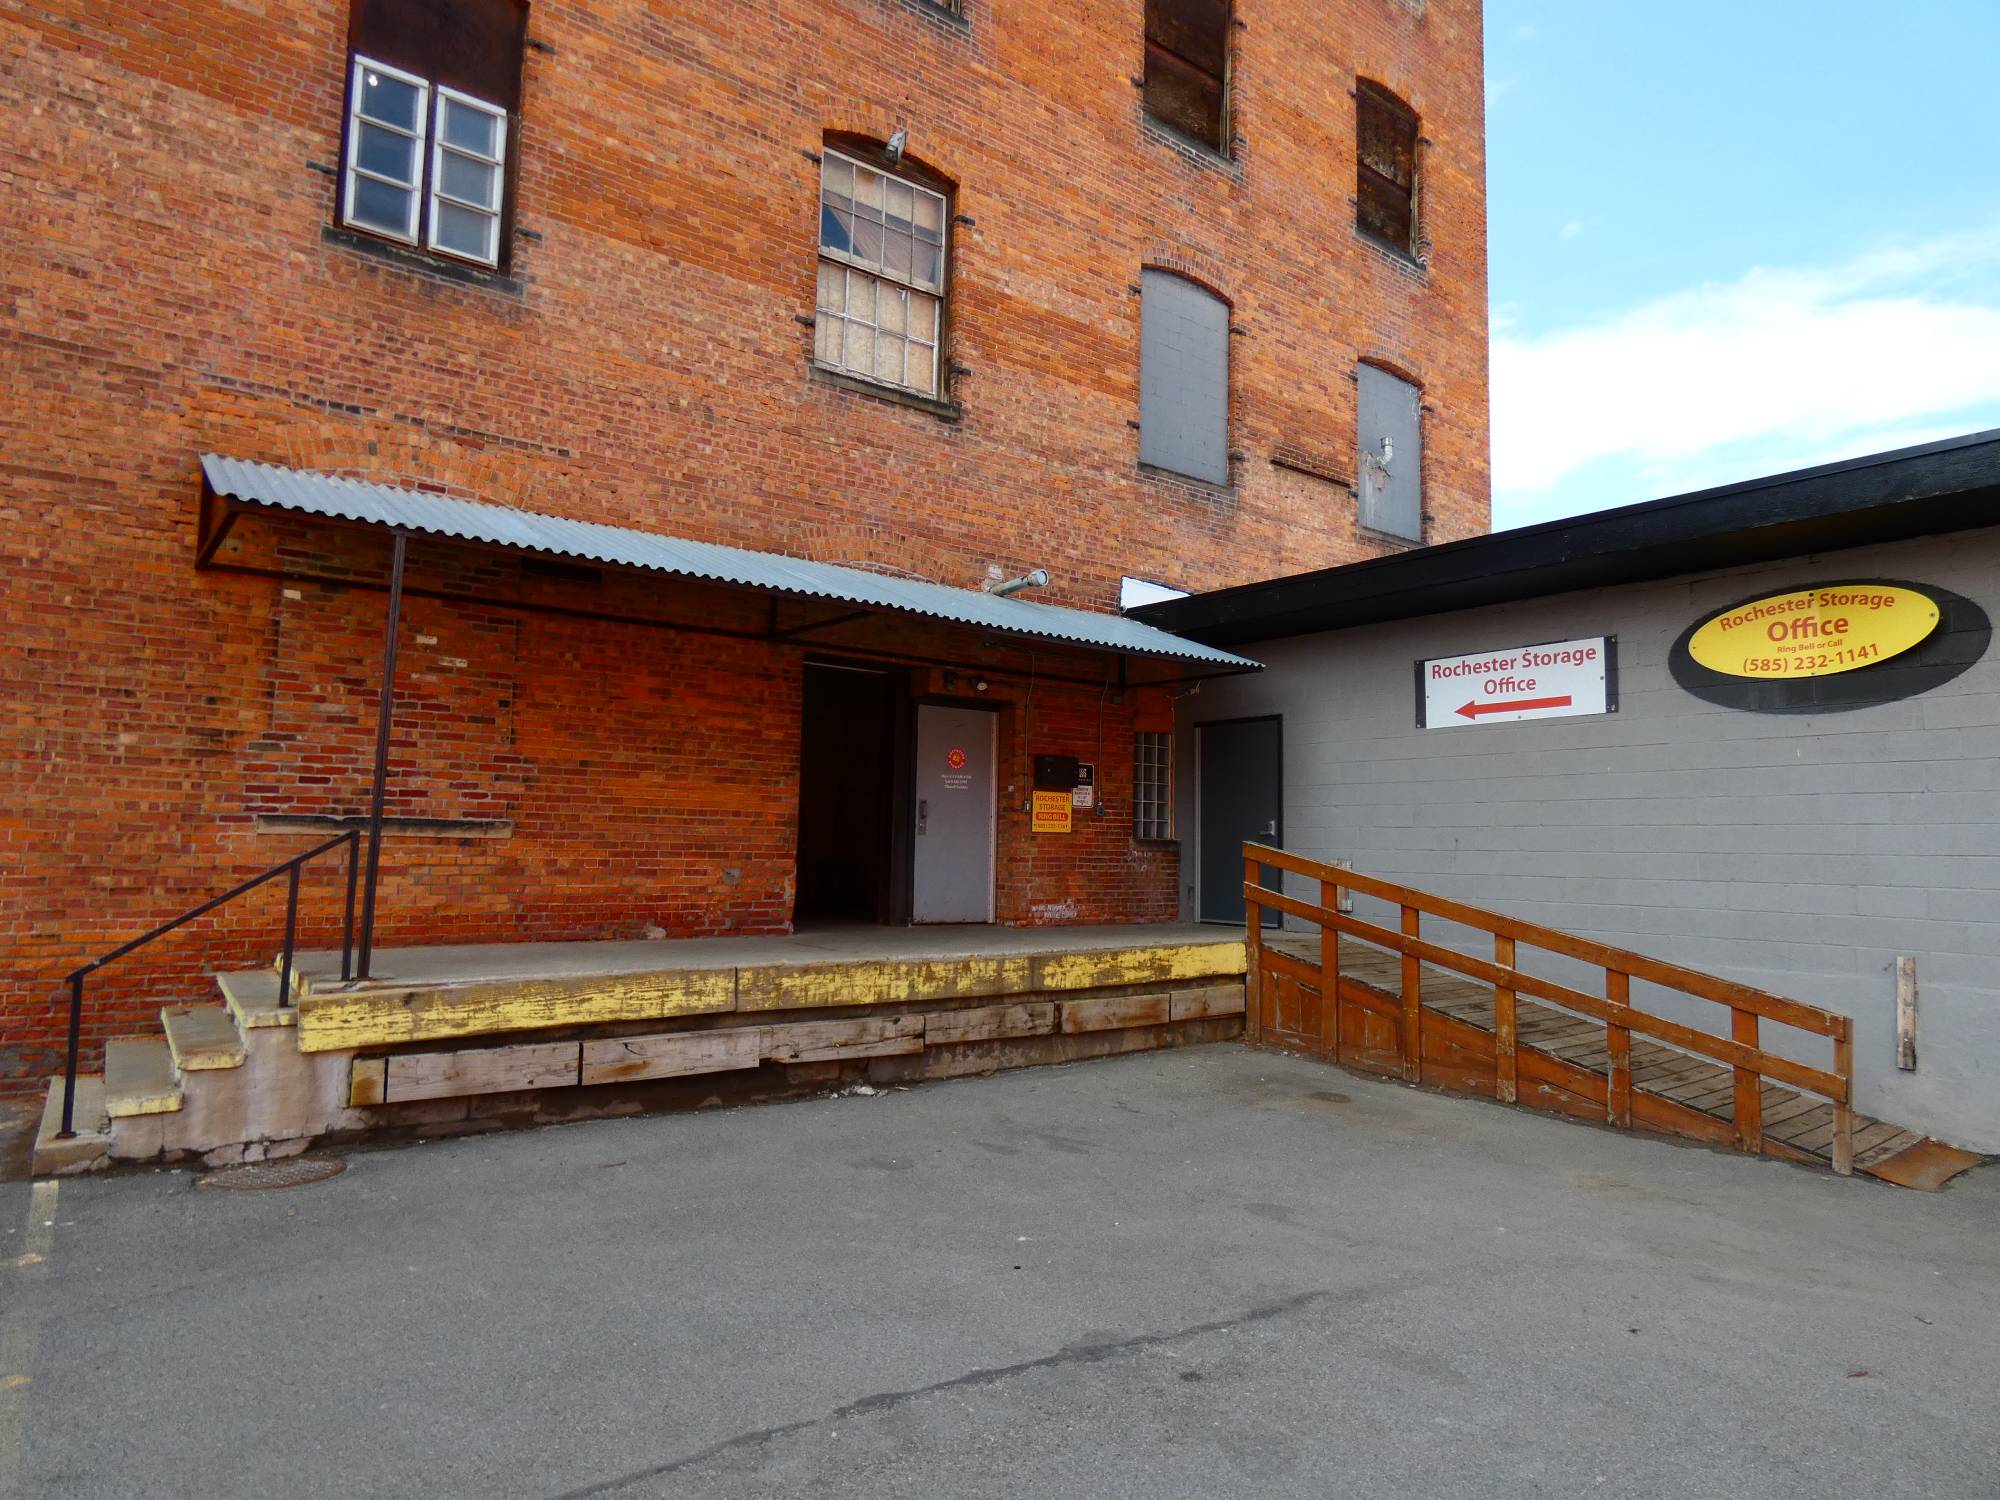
383	718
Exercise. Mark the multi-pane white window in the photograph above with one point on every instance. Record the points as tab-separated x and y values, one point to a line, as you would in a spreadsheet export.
447	197
1152	785
466	177
390	115
881	276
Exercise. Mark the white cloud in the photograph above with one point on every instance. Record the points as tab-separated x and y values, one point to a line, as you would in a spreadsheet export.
1791	365
1571	228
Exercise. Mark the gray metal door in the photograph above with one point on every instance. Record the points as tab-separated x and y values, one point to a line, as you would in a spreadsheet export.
953	868
1242	800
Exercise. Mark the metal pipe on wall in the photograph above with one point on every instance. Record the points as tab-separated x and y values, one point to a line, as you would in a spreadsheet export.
384	715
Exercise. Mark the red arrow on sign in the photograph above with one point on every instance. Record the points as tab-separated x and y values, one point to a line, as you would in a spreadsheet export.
1511	706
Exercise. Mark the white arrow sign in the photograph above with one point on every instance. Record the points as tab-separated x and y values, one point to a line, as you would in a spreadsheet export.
1558	680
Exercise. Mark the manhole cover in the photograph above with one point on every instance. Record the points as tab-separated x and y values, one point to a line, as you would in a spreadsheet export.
295	1171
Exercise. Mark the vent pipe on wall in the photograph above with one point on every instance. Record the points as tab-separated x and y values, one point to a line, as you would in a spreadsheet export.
1039	579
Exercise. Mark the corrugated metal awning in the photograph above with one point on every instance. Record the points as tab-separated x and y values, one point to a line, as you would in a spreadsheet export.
618	546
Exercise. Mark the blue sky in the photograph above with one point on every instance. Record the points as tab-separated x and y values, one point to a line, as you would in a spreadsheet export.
1731	239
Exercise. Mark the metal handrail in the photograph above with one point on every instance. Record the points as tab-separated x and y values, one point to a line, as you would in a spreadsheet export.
290	869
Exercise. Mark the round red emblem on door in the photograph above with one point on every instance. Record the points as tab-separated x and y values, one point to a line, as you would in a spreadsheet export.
956	760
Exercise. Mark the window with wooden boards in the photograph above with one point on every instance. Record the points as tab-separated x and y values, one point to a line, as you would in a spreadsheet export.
1385	199
1187	68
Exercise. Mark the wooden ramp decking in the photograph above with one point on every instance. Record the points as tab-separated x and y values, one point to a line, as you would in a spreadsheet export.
1413	1008
1796	1126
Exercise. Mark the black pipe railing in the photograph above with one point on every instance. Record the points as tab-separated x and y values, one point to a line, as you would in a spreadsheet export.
290	869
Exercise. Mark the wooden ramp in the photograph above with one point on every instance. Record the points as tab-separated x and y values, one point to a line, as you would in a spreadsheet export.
1413	1008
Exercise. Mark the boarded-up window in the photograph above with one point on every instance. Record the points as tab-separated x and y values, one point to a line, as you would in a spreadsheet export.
1390	471
1385	201
473	46
1183	377
1187	63
433	88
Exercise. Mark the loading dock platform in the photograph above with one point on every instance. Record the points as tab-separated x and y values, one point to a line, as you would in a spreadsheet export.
453	1038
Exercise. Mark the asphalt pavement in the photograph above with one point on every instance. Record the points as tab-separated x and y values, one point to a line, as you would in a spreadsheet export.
1208	1272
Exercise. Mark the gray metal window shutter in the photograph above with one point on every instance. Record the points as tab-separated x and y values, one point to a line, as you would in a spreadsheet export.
1392	491
1183	378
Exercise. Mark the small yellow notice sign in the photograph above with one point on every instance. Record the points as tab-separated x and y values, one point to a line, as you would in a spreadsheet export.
1052	812
1814	632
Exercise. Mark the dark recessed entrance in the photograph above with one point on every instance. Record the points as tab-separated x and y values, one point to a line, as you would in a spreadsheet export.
848	763
1241	785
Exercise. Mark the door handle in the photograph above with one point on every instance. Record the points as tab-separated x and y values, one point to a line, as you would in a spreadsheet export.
923	813
1271	828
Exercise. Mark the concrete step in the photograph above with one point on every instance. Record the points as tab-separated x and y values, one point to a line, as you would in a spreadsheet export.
90	1147
202	1036
139	1077
252	998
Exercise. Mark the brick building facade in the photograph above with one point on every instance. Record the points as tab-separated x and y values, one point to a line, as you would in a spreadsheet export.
195	259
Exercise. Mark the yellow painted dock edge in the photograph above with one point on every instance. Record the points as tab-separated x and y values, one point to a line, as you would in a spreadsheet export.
329	1021
899	981
332	1022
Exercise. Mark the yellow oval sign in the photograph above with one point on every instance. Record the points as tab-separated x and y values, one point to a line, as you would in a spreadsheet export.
1815	632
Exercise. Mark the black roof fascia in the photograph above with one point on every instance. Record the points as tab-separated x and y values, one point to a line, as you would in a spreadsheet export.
1952	485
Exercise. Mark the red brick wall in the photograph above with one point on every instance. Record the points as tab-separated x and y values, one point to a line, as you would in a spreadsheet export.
594	779
165	288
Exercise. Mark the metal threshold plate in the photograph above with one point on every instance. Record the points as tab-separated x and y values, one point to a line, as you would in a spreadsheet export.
1926	1166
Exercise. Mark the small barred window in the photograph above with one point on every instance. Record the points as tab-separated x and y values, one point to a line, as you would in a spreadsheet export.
1152	786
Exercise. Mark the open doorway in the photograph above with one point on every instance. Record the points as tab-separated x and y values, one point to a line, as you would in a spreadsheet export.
847	804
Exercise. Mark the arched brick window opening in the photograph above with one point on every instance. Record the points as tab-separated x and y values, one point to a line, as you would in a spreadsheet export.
1389	468
1183	377
880	313
1385	199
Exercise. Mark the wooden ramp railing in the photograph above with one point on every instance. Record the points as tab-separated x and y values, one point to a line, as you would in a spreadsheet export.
1367	1024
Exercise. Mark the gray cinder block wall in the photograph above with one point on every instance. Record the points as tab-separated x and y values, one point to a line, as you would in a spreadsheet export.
1797	852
